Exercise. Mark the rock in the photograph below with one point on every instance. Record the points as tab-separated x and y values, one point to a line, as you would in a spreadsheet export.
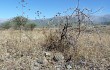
68	66
45	61
58	57
42	60
58	67
36	66
47	54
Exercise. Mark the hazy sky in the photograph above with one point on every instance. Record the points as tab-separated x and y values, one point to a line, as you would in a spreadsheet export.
10	8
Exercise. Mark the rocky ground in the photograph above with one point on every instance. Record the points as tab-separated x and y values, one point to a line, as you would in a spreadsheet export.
28	54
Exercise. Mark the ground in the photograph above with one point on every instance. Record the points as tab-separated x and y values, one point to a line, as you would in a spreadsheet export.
23	51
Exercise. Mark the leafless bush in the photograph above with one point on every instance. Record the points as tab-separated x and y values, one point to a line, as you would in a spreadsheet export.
62	40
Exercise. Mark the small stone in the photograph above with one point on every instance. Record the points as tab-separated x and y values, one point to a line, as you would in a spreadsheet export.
58	57
45	61
69	67
58	67
47	53
40	61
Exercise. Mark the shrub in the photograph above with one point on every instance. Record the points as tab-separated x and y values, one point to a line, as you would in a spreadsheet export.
61	40
30	26
6	25
19	21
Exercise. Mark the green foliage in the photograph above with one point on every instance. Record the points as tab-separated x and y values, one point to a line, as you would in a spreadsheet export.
6	25
30	26
107	23
19	21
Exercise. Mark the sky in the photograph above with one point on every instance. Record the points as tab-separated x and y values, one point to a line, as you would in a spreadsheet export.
49	8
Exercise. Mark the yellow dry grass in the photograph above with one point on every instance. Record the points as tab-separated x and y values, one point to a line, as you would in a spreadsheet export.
11	49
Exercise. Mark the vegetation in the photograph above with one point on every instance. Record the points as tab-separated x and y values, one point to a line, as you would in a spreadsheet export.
5	25
29	52
30	26
17	23
106	23
71	45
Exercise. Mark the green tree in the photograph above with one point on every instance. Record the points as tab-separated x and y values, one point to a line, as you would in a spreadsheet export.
30	26
6	25
19	22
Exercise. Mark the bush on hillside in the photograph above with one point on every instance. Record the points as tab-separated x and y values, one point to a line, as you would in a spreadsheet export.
5	25
19	21
30	26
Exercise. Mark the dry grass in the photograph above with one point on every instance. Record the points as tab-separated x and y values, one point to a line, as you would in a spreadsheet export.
21	55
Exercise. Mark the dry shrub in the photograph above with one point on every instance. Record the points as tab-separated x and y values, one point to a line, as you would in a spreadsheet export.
88	47
58	40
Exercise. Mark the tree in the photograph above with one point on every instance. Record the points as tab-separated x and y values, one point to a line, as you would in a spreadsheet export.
5	25
30	26
19	21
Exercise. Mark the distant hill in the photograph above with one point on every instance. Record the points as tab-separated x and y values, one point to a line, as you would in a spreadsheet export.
3	20
105	19
101	19
57	20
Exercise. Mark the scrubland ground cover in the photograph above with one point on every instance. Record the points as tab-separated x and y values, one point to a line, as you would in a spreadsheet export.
92	52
